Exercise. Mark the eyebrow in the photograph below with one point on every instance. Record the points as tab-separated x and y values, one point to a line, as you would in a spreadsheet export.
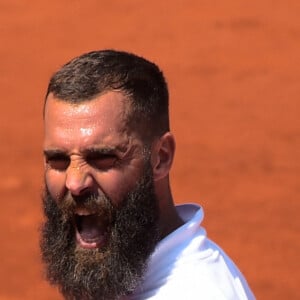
50	153
54	153
99	150
105	149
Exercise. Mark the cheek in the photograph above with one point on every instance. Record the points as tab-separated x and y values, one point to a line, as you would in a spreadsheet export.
55	183
116	185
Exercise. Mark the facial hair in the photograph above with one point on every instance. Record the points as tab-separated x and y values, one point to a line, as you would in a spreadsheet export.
110	271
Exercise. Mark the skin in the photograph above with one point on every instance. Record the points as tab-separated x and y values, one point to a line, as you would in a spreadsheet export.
89	149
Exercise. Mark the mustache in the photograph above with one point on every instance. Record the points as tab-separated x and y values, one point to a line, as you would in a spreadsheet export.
96	204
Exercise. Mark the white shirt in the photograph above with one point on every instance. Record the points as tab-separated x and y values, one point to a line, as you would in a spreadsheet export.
187	265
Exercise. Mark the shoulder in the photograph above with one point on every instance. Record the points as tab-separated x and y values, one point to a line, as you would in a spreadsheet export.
210	278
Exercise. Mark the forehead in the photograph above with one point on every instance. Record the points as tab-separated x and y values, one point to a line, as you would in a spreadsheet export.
100	117
106	103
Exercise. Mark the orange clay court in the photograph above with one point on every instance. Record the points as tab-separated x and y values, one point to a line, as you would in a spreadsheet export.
233	69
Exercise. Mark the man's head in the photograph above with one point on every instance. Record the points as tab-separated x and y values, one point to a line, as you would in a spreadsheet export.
97	72
108	152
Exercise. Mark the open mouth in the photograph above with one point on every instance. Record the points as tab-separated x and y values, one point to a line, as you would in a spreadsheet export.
91	231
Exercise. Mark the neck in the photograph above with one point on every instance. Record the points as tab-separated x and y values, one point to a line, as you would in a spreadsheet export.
169	217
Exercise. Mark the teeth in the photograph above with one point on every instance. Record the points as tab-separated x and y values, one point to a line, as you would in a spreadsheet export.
83	212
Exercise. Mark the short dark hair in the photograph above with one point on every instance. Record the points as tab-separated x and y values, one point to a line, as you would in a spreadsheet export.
87	76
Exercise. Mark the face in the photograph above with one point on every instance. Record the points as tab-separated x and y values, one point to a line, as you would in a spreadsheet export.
89	148
100	205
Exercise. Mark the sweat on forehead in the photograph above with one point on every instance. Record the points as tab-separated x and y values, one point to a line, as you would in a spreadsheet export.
111	106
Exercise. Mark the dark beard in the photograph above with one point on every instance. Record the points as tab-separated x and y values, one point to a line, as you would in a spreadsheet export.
111	271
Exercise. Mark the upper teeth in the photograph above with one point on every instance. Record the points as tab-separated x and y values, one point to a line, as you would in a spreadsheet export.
83	212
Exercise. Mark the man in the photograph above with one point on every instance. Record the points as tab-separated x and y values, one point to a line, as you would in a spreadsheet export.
111	229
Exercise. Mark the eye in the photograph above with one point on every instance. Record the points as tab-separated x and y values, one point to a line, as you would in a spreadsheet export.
102	161
59	163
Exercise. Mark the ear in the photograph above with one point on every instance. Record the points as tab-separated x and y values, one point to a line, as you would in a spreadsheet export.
162	156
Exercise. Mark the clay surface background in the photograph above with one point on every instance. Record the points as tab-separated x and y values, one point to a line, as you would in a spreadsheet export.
233	69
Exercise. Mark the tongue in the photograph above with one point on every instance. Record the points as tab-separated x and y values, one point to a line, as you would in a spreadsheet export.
90	228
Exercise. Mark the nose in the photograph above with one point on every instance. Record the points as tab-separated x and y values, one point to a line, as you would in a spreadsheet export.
78	180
